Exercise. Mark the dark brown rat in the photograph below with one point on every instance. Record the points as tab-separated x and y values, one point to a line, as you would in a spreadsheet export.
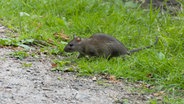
100	45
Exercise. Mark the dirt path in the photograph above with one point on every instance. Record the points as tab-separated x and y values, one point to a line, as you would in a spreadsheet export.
38	85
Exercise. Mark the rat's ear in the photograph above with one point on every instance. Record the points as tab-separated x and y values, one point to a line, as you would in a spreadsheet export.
78	39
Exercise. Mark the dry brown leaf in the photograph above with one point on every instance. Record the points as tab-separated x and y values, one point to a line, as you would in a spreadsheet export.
17	48
50	41
61	35
112	78
53	65
160	93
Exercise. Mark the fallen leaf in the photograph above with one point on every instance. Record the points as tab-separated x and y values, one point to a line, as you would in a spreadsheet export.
160	93
53	65
94	78
112	78
61	35
50	41
17	48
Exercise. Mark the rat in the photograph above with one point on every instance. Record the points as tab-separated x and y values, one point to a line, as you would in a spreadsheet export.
100	45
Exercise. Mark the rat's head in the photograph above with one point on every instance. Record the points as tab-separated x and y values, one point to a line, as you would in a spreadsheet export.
73	45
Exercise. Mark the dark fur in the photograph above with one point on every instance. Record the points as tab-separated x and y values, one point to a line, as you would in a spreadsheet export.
100	45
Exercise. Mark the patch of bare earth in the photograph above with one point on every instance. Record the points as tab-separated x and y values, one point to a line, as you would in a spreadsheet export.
37	84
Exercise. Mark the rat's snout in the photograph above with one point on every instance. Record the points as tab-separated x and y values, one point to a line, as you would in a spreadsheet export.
68	49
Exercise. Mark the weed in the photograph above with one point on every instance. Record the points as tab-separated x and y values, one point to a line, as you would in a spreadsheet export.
19	54
8	42
60	66
26	65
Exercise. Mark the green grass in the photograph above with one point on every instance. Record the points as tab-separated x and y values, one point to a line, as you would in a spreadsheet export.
40	19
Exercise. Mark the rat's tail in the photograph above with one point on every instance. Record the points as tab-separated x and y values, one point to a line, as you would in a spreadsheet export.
139	49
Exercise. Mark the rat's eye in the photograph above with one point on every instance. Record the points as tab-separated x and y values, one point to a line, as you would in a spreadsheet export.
70	45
